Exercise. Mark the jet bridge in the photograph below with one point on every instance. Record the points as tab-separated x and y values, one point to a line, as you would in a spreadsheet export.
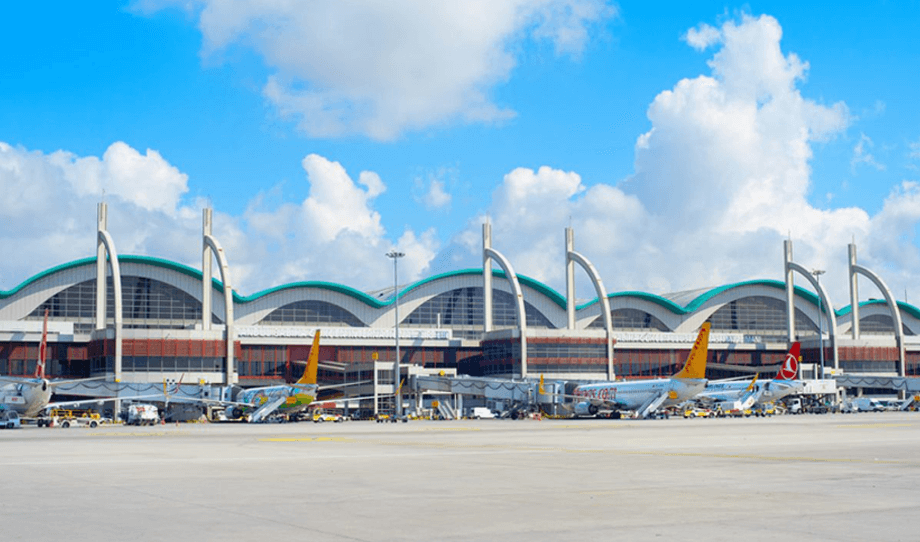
526	392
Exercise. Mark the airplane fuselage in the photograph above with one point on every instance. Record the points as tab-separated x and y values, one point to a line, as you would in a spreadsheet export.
765	390
632	395
297	397
28	398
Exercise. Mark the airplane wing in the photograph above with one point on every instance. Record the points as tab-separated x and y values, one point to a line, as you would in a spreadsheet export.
96	400
17	380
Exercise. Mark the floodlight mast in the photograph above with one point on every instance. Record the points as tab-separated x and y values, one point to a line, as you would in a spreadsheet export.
397	389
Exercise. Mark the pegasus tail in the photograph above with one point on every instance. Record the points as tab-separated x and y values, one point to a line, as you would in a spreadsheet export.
790	367
753	383
309	372
695	366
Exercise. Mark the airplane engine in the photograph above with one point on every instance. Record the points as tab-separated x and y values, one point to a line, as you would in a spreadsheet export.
233	412
585	408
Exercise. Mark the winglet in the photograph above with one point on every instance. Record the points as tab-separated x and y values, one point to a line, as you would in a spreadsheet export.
790	367
309	372
695	366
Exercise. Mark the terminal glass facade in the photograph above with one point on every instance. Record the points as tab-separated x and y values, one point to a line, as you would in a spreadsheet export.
148	304
311	312
880	324
630	320
462	310
759	315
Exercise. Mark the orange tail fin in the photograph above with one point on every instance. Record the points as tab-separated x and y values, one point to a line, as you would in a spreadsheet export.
695	366
309	372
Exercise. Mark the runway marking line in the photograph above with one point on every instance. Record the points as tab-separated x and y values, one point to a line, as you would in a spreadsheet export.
306	439
874	425
448	429
748	456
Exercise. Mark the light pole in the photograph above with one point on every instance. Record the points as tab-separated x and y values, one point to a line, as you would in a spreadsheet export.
397	392
817	273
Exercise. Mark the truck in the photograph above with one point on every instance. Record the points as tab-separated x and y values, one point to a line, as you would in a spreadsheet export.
9	419
142	414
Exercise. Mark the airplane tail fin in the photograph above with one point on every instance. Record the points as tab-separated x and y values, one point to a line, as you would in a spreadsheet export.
309	372
541	390
790	367
42	350
750	387
695	366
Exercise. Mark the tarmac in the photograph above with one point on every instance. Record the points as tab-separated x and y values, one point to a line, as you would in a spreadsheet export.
846	477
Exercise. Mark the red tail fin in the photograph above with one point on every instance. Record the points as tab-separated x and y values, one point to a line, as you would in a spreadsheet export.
790	368
42	350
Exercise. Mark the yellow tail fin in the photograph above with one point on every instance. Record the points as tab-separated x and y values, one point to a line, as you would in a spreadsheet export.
750	387
309	372
695	366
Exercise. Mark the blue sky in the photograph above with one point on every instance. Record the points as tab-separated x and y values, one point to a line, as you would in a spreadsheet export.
683	141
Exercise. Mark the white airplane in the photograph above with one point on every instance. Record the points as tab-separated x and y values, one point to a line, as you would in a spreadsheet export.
743	394
647	396
29	396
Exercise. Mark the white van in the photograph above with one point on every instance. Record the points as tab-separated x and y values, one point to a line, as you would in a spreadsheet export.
867	404
481	413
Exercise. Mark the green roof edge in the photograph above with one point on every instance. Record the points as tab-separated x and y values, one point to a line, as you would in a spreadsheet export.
534	284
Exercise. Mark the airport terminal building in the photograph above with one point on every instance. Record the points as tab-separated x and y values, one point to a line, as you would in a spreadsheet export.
156	319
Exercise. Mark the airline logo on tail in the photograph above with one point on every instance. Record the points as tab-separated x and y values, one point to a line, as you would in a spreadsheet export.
790	368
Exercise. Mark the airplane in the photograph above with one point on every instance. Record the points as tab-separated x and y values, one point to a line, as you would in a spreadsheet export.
255	404
646	397
30	396
743	394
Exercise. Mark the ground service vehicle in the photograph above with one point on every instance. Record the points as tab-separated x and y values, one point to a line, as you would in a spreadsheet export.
142	415
867	404
9	419
320	417
481	413
696	413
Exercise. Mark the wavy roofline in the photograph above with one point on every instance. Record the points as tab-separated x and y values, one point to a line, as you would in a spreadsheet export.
371	301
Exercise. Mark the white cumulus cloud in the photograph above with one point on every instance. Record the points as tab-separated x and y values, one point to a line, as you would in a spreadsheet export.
381	68
721	178
49	212
334	234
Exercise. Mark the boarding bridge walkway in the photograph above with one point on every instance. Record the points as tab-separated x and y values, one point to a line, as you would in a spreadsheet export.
496	389
910	385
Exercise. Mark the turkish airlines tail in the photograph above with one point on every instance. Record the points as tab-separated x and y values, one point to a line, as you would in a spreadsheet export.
790	367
